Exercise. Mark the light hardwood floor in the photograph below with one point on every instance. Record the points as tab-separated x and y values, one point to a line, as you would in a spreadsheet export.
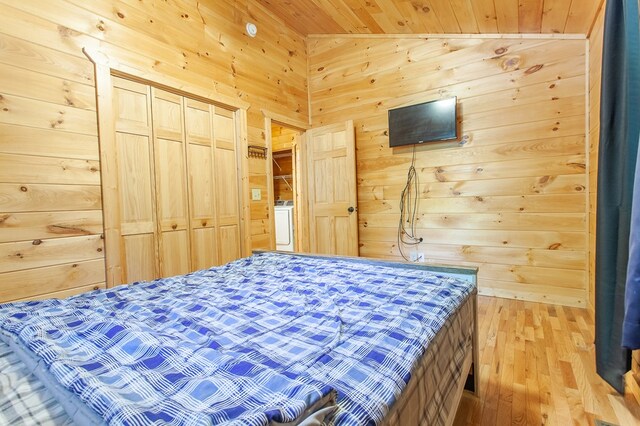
537	367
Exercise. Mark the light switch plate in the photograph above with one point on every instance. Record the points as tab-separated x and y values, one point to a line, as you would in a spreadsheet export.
256	194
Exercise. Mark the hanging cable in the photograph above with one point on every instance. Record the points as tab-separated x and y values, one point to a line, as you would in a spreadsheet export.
408	209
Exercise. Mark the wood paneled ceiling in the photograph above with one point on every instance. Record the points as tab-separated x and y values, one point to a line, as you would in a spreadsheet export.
436	16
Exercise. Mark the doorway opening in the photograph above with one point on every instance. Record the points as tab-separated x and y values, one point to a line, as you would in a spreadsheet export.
287	183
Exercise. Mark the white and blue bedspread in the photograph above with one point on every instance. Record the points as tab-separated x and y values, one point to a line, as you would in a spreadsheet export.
258	340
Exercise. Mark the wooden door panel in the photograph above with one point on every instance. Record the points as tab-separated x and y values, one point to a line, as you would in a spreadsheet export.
323	186
134	182
229	243
198	122
203	197
341	188
332	198
136	186
171	185
204	243
201	185
226	169
131	107
224	128
139	252
226	179
175	253
340	228
167	115
324	231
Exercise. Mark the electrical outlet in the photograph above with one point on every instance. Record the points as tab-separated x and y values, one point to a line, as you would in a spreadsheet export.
256	194
419	257
413	256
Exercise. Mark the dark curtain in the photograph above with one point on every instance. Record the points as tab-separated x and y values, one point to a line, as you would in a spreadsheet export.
619	130
631	325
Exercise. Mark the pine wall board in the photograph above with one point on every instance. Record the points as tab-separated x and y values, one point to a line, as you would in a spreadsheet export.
511	196
50	194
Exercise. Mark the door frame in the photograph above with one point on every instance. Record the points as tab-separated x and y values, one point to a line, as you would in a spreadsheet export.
104	69
301	208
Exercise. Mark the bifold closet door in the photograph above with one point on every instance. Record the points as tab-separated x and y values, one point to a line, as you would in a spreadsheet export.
226	174
199	119
134	150
171	183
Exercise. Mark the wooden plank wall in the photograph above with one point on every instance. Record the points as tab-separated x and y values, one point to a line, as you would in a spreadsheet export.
512	199
50	203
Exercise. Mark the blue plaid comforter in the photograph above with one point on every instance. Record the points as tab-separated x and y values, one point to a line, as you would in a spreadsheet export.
258	340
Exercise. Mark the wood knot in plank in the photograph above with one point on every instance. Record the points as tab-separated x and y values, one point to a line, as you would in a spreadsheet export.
36	242
24	189
4	218
63	229
511	63
501	51
555	246
120	15
578	165
533	69
101	26
67	32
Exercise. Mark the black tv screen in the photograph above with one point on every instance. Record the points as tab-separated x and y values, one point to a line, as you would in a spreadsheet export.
425	122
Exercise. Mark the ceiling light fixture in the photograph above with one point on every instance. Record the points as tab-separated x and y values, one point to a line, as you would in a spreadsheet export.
252	30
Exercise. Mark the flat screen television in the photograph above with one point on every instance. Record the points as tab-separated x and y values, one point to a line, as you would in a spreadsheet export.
425	122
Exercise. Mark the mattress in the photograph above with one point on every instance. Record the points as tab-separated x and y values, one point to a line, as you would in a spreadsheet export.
305	329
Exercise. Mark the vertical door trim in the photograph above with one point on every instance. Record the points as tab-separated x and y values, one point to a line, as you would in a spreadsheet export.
268	137
108	169
242	156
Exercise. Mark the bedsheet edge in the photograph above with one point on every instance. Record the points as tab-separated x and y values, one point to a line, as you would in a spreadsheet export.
77	410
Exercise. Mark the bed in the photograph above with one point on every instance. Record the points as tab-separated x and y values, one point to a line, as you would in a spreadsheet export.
275	338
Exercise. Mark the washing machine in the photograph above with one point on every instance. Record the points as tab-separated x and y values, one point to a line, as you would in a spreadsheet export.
284	225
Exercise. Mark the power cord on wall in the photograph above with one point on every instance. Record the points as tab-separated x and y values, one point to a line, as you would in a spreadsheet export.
409	198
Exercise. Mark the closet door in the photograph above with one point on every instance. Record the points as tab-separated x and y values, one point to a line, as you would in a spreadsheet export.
171	183
226	174
134	150
199	118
